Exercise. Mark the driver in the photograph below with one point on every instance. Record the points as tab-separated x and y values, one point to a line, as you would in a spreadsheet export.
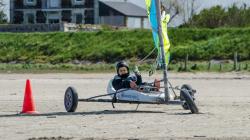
124	79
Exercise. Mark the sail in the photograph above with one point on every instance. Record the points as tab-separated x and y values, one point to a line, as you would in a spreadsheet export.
152	16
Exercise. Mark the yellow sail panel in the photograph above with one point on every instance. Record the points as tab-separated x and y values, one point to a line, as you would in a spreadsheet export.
148	4
166	42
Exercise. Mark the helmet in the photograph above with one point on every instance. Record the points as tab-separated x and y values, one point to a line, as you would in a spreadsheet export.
121	64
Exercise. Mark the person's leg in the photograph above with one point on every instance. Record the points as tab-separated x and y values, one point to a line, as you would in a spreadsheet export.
157	84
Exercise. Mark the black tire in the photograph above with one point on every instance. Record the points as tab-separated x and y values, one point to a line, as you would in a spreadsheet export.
70	99
185	106
189	101
191	93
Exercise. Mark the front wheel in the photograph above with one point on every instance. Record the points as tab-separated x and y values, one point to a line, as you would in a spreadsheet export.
189	102
70	99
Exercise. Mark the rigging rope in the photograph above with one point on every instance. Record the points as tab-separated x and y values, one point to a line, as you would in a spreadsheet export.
142	60
155	63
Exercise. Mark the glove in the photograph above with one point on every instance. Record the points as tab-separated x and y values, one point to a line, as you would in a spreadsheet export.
136	70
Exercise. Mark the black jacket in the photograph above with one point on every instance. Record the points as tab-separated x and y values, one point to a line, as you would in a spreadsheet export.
120	83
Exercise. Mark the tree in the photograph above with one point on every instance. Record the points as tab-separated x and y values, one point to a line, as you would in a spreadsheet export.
190	9
184	8
173	7
210	18
1	4
3	17
217	16
236	16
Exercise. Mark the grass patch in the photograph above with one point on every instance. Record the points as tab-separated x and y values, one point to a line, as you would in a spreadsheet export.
111	46
193	66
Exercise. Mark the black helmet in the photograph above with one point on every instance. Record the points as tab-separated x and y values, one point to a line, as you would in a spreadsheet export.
121	64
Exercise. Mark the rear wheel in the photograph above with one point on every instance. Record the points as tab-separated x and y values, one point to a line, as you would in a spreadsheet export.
189	88
189	102
70	99
191	93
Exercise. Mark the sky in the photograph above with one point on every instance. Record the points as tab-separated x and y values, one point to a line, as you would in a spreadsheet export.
201	3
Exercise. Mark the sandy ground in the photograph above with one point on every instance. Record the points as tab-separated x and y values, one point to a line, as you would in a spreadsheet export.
223	100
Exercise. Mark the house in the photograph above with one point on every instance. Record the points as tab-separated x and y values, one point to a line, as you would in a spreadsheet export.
123	14
201	4
54	11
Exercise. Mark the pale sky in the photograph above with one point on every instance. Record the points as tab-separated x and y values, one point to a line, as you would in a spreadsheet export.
202	3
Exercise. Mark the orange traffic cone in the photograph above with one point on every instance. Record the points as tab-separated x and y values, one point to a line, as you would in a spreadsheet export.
28	102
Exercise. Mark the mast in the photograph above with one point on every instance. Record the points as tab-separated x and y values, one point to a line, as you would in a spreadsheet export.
165	76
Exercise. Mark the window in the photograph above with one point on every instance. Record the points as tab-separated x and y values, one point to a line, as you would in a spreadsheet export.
78	2
30	18
89	4
66	15
79	18
54	3
30	2
53	17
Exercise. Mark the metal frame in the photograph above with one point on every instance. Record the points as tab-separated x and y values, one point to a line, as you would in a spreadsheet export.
174	102
94	99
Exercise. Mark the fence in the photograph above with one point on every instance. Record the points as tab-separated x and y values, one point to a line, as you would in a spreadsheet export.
220	65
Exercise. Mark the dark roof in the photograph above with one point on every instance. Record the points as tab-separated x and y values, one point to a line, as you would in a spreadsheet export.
127	8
